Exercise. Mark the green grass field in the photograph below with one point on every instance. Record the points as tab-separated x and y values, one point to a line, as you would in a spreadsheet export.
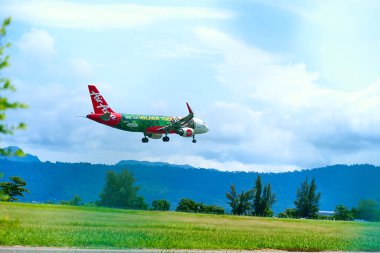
93	227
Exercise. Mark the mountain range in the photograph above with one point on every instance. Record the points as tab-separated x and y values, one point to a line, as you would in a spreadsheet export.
47	181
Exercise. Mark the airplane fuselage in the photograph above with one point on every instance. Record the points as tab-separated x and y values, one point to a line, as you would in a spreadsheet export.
145	123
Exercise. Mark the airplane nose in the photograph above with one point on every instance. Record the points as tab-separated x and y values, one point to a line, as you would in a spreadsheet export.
206	128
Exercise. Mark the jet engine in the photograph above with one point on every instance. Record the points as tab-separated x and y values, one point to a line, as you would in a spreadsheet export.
186	132
154	136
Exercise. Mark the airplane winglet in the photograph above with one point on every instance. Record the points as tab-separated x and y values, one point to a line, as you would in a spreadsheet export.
188	108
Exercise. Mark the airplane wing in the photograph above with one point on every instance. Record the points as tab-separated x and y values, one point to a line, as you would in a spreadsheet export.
179	123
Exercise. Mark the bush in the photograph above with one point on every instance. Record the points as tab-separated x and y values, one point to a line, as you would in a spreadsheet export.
187	205
288	213
343	213
76	201
212	209
368	210
190	206
160	205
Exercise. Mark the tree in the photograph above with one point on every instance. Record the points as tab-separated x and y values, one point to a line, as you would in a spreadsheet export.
190	206
14	189
307	200
187	205
3	196
257	202
314	199
233	200
160	205
263	199
119	192
76	201
239	202
268	200
288	213
212	209
368	210
302	199
343	213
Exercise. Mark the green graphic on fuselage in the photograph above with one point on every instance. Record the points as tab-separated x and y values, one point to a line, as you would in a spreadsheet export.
139	123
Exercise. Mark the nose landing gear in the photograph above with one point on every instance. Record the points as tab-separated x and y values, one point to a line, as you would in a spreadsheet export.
194	140
165	138
145	140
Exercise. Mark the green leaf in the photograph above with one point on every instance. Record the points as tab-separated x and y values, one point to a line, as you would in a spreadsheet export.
21	126
19	152
7	21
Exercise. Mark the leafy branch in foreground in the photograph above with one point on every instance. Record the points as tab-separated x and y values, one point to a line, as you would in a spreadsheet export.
6	86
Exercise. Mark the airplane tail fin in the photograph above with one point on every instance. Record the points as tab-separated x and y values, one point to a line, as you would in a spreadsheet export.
98	102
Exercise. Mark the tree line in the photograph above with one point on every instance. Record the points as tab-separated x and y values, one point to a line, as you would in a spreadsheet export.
258	201
120	192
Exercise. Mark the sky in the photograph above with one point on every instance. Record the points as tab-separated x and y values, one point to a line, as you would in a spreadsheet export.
282	85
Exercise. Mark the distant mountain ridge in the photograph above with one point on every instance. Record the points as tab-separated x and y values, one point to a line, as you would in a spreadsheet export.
339	184
151	164
26	158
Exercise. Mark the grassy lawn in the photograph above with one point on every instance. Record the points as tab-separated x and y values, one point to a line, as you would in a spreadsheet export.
93	227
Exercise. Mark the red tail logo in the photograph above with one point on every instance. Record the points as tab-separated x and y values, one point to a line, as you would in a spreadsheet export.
98	102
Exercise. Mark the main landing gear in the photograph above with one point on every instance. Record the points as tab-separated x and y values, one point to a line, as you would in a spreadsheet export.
145	140
164	139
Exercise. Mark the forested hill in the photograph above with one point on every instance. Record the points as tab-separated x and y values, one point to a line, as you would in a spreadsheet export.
339	184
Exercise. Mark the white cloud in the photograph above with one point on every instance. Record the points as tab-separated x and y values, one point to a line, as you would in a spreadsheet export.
201	162
37	44
101	16
185	51
81	67
37	49
340	39
51	86
299	121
